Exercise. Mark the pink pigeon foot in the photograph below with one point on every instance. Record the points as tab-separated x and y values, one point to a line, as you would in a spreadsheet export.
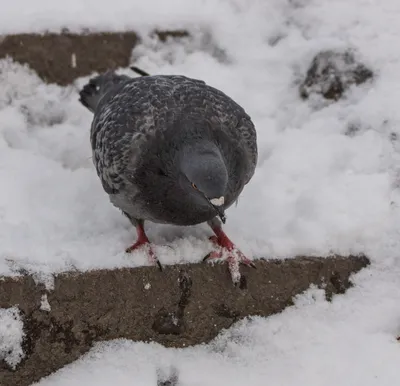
228	252
144	243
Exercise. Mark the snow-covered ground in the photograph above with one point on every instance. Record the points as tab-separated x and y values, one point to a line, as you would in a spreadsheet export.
316	190
11	336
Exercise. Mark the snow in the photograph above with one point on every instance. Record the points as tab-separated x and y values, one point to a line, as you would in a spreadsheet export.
316	190
44	303
77	15
11	336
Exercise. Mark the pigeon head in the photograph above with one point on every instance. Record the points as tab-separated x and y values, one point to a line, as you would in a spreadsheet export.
205	175
186	181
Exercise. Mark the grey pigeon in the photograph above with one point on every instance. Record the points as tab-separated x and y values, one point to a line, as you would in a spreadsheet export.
170	149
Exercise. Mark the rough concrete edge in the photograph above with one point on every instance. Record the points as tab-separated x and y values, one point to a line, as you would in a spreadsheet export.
164	330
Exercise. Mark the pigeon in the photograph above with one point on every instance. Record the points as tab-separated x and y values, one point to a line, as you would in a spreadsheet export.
170	149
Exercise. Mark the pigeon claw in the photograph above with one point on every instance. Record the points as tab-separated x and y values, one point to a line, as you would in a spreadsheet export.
146	247
228	252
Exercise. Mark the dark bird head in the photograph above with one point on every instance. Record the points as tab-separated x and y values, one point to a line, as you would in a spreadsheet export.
183	177
205	174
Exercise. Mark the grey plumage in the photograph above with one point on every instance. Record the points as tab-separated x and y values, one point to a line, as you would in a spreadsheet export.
167	148
141	125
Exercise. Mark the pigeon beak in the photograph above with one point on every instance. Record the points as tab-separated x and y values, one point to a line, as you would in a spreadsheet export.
221	213
218	204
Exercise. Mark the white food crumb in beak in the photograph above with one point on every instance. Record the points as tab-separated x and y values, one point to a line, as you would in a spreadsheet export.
218	201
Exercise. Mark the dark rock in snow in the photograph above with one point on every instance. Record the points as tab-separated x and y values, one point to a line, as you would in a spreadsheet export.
171	380
332	73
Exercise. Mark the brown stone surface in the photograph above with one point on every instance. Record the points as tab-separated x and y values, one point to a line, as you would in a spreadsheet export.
183	305
51	54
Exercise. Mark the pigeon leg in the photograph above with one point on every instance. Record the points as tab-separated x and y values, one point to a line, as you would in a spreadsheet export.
227	251
143	242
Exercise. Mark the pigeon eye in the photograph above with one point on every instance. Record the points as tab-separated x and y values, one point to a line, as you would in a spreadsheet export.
194	186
